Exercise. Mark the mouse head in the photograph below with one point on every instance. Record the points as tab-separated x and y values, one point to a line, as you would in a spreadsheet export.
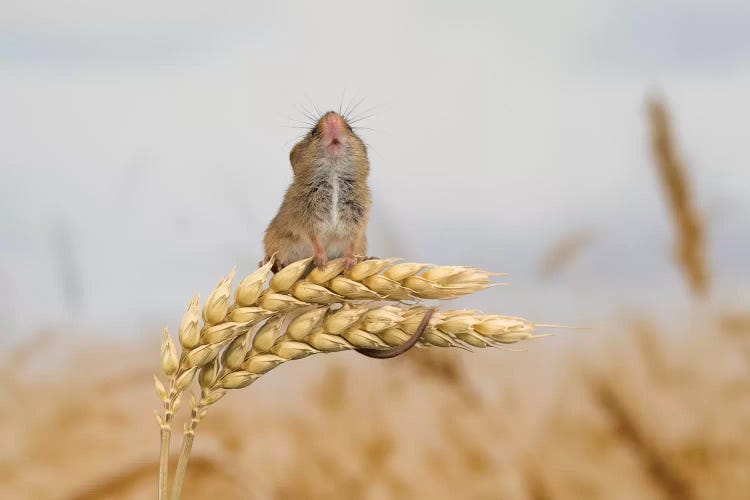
331	141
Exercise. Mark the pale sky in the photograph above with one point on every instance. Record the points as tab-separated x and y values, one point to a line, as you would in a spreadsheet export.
145	145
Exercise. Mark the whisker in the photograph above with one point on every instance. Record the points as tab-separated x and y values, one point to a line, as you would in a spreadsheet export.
371	108
360	118
302	122
369	146
306	113
320	115
363	115
347	113
341	102
303	110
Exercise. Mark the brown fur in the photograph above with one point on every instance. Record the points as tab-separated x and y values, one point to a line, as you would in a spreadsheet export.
326	208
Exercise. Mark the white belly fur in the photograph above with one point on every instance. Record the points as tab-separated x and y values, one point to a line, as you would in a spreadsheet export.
333	234
335	188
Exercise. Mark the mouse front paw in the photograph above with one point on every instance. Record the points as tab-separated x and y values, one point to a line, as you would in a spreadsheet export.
320	256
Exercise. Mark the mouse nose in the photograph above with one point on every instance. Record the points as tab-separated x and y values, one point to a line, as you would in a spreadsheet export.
334	120
333	128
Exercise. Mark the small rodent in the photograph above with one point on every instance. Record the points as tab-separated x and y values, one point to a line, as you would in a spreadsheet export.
327	207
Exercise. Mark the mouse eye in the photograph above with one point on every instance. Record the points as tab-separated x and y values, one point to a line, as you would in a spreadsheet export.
314	131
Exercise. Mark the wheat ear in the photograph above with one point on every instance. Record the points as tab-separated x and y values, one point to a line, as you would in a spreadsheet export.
299	313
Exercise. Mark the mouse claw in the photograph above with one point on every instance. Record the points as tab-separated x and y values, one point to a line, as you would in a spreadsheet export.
321	261
349	262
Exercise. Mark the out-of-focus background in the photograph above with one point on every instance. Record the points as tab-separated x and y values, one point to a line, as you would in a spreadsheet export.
594	150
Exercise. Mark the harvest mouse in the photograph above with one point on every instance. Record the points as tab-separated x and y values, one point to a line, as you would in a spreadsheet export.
326	209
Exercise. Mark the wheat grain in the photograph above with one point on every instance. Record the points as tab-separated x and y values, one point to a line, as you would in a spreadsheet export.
189	333
217	303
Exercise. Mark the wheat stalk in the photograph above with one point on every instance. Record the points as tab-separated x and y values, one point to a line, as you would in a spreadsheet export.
296	314
691	245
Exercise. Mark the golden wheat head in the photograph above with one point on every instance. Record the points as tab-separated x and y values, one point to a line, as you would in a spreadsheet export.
300	312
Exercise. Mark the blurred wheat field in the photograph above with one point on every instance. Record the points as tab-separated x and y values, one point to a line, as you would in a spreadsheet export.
597	154
640	414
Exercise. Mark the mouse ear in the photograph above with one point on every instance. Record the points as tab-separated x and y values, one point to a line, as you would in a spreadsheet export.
293	157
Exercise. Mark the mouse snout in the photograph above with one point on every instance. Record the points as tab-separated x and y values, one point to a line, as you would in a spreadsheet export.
333	131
